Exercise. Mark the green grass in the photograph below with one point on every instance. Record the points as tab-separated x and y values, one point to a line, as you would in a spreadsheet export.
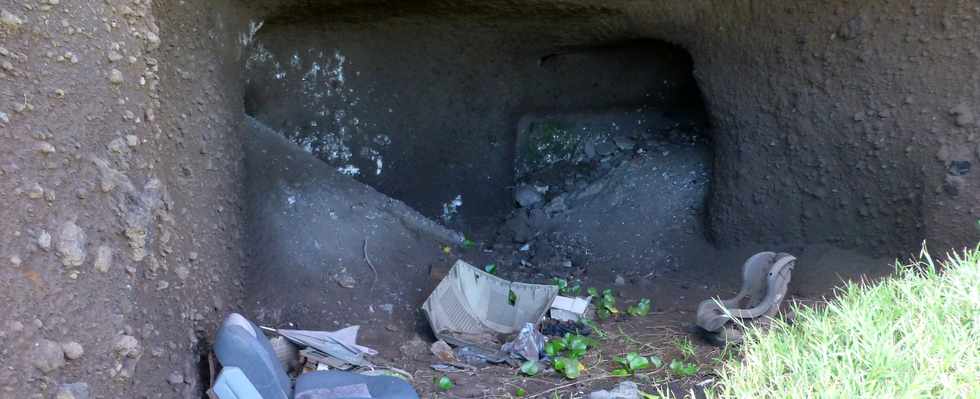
914	335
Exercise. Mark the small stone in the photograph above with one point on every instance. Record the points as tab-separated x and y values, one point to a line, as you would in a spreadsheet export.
103	259
344	279
153	40
71	244
117	145
4	117
175	378
7	66
182	272
192	256
15	260
527	196
78	390
114	56
73	350
116	76
45	148
127	346
35	191
9	20
132	140
47	356
620	281
162	285
964	115
44	240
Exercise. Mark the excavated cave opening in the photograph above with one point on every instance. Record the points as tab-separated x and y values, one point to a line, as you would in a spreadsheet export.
547	146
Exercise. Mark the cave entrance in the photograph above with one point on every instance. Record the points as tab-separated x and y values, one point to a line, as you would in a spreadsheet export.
545	149
465	124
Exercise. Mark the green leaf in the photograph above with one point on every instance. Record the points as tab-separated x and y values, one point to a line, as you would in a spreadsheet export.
520	392
512	298
620	373
554	347
603	314
468	243
593	292
560	283
444	383
577	347
682	368
656	362
490	268
570	368
637	362
640	309
530	368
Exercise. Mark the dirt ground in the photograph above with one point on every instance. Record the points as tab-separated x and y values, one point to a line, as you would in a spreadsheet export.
841	132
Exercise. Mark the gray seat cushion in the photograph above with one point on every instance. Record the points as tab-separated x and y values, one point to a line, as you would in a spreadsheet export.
345	385
241	344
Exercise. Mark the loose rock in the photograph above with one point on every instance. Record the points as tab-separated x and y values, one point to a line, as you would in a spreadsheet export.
44	240
127	346
47	356
116	77
71	244
103	259
73	350
527	196
175	378
9	20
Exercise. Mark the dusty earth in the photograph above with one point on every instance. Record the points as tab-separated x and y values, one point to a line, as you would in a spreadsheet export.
141	205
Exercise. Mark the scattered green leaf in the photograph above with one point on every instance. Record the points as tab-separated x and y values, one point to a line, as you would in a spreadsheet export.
682	368
569	367
565	288
640	309
512	298
554	348
656	362
444	383
598	331
530	368
632	363
468	244
593	292
520	392
490	268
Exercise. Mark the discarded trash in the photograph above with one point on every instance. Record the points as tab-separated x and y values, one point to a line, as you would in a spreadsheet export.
527	345
555	328
453	368
765	277
340	345
252	370
233	384
625	390
476	355
569	309
472	307
287	353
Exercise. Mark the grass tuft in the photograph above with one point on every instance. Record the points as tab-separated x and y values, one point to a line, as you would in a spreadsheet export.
914	335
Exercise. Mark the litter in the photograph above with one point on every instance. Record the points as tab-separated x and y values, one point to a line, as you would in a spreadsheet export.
569	309
528	344
340	345
252	370
470	307
765	277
